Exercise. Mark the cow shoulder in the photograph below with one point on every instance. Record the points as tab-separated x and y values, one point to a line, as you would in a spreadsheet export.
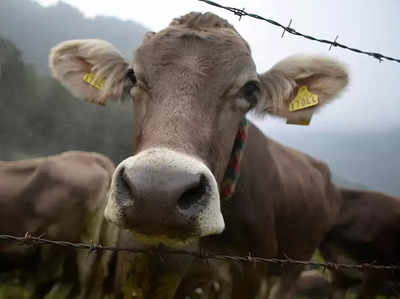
272	168
296	171
377	216
87	173
53	191
292	190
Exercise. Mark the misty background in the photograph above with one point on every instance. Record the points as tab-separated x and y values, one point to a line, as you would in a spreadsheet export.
358	135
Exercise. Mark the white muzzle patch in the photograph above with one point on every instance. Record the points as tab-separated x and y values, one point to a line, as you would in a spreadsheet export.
208	220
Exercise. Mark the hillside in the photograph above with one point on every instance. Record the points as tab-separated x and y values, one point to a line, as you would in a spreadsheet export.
365	158
38	116
35	29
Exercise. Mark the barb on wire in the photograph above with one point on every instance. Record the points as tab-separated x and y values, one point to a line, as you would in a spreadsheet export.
334	42
241	13
28	239
287	27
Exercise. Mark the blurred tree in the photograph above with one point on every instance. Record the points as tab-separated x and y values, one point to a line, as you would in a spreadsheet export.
39	117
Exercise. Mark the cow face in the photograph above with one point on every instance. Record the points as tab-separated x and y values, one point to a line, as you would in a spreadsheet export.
191	85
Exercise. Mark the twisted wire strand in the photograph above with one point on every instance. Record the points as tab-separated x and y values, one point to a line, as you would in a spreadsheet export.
241	13
28	239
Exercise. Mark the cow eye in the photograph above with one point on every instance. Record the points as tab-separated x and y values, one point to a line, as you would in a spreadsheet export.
132	76
251	91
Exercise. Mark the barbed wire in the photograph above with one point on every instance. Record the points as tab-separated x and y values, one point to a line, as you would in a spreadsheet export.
241	12
28	239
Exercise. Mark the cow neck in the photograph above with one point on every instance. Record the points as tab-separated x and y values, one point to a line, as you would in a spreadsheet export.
232	172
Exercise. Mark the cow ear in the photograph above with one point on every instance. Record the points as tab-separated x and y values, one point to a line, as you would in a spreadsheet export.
312	81
91	69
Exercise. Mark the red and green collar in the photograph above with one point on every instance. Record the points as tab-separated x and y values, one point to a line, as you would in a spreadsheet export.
232	172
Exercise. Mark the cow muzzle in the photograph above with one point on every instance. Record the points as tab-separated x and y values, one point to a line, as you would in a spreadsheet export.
165	196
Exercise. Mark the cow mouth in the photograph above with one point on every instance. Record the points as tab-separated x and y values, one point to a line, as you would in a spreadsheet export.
157	240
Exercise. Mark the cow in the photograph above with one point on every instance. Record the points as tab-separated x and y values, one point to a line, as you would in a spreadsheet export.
192	85
367	230
60	197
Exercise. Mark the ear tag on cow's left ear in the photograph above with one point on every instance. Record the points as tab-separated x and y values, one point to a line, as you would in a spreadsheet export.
91	79
303	99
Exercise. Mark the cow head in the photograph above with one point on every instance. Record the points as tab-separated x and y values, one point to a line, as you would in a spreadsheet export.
191	84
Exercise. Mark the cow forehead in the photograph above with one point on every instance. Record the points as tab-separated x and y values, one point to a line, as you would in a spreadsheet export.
203	52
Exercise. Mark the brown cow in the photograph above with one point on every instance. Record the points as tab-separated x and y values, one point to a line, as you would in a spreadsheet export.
192	85
367	230
62	197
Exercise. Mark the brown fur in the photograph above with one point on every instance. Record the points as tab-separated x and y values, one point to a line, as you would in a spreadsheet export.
367	230
43	188
283	198
197	21
61	197
189	98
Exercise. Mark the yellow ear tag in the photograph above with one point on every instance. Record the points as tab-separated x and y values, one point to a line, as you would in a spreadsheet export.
303	99
91	79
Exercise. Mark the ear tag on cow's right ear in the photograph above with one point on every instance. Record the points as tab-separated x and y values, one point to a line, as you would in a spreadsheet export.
303	99
91	79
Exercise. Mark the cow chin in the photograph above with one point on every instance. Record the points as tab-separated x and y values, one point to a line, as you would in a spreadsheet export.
156	240
164	196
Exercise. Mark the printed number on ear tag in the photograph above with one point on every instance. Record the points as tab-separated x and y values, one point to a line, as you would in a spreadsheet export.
303	99
91	79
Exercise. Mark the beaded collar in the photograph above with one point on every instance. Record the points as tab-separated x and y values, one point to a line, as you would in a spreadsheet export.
232	172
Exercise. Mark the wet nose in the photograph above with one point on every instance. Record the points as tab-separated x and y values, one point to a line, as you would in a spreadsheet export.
168	188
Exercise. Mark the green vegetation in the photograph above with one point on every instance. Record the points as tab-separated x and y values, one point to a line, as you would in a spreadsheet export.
39	117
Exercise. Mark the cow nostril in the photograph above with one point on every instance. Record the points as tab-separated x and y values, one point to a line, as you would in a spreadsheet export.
193	194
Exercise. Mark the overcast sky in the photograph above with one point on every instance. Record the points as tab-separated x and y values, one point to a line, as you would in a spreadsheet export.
371	102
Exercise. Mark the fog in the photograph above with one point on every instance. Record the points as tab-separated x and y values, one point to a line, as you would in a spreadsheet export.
371	101
357	134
